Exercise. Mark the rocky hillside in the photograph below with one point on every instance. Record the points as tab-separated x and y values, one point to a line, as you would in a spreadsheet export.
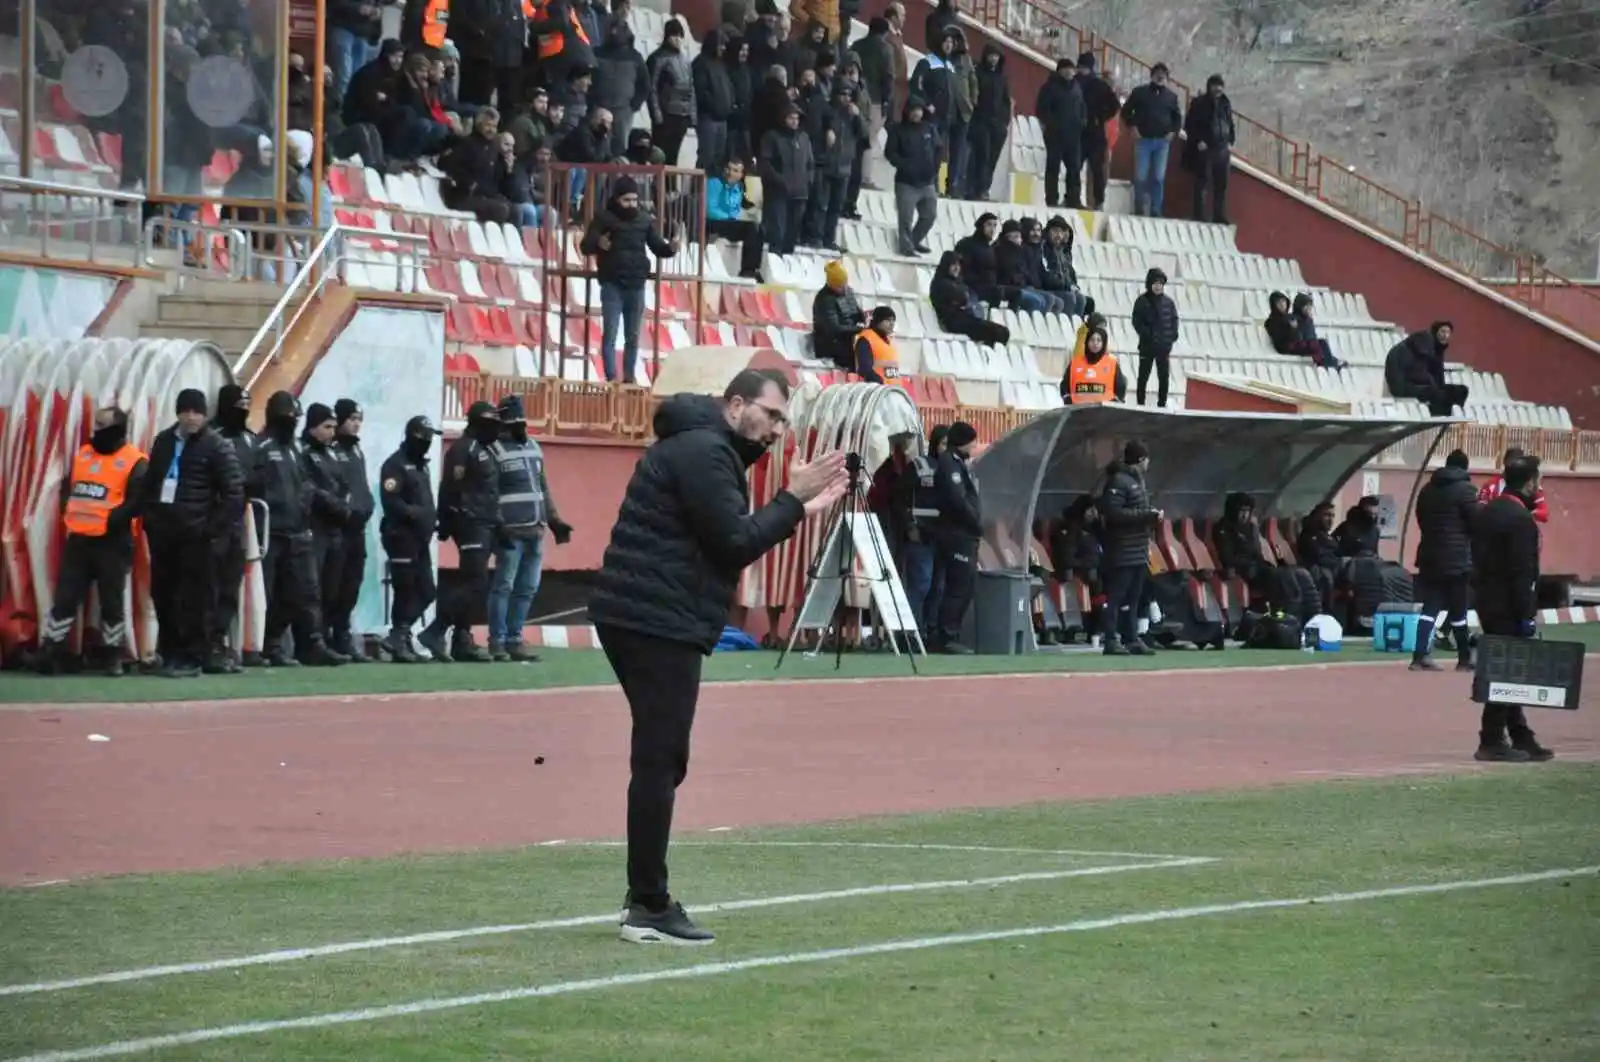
1486	110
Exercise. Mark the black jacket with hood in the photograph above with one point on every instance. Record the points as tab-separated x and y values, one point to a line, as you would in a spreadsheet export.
1446	507
979	267
1155	318
785	162
685	531
713	82
1127	517
912	148
948	295
1062	112
1279	325
1505	546
621	84
993	107
1416	363
1238	545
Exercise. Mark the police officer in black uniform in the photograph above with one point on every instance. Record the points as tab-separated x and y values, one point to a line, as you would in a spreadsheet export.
1505	555
919	482
289	568
353	468
330	506
957	531
233	411
406	531
1446	508
469	513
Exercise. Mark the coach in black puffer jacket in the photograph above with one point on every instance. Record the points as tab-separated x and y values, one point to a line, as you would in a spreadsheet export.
658	576
1126	513
207	500
1446	508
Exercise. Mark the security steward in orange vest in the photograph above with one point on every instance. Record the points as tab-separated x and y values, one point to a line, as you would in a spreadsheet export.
100	504
1094	376
876	359
560	43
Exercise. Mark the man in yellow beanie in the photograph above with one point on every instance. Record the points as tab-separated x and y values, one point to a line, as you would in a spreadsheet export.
836	318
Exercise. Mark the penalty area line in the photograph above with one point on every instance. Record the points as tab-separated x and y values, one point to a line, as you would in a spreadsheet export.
288	955
800	958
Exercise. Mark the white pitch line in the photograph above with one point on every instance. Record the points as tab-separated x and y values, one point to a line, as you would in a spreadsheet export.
271	958
799	958
896	846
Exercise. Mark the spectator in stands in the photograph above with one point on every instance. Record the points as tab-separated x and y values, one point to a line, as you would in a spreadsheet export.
1414	368
490	36
963	102
1054	248
1358	534
443	75
1497	486
1093	375
1101	105
895	14
522	181
1155	319
827	70
813	44
978	267
476	168
787	170
593	19
1208	148
877	69
1318	551
942	18
725	207
1280	327
622	237
772	100
713	96
1236	540
836	318
849	82
561	41
843	139
413	123
1021	269
354	29
534	124
913	150
991	122
373	87
299	91
569	99
766	38
957	309
589	142
1295	331
672	103
1152	112
1063	116
742	76
876	360
620	83
933	82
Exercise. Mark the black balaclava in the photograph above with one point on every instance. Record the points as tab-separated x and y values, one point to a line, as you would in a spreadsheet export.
233	408
283	413
418	443
512	418
482	423
111	438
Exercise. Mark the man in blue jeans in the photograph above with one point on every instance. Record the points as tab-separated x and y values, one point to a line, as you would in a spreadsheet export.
621	238
1153	113
526	510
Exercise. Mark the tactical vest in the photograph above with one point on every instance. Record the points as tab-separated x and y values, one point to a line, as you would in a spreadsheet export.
521	466
925	498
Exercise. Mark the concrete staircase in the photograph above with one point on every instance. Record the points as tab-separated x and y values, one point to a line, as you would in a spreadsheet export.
227	314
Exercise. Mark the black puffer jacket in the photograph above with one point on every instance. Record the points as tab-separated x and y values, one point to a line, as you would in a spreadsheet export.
1127	516
626	262
685	531
1446	507
208	501
1505	542
1155	317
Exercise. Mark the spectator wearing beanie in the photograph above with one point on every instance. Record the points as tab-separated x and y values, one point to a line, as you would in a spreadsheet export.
836	318
1155	319
622	237
672	101
1128	519
713	97
490	36
876	359
991	118
913	149
787	168
1100	106
621	85
1063	117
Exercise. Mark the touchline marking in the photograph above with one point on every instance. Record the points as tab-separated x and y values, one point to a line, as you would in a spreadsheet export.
270	958
906	846
800	958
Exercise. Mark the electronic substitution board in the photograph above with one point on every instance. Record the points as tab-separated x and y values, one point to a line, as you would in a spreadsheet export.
1529	672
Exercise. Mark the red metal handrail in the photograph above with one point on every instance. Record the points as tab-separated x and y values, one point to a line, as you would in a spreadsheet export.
1041	25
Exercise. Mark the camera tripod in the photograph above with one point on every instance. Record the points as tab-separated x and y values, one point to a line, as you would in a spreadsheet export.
833	565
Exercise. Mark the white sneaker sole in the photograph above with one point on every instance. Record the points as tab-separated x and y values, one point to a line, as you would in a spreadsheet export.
649	935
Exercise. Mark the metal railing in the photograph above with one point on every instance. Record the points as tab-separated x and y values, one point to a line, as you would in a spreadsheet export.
330	259
69	222
1042	25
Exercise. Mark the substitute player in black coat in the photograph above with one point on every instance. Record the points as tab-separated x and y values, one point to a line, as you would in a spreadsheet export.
405	488
1446	508
1505	554
684	534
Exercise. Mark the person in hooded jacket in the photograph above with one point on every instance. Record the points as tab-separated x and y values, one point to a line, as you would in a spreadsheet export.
1128	519
978	267
1359	533
684	534
490	35
913	149
100	501
1414	368
963	102
1505	554
289	571
1155	320
877	69
1063	116
787	168
1021	269
941	19
742	75
992	109
352	464
1236	541
1446	507
1208	148
713	94
1318	551
622	237
1101	106
933	82
957	309
1084	382
842	132
330	508
233	411
469	513
672	101
406	533
621	84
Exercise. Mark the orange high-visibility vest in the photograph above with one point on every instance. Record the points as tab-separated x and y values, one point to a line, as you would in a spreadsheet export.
1088	384
99	485
529	9
435	23
552	44
885	362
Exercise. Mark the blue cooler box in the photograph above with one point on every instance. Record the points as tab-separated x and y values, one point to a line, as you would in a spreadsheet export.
1394	627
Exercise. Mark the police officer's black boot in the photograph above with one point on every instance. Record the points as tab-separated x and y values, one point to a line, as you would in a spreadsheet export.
320	654
1113	645
398	646
433	640
219	661
350	645
463	648
251	658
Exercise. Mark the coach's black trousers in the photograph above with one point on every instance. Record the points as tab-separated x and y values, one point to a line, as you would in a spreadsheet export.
1447	594
661	679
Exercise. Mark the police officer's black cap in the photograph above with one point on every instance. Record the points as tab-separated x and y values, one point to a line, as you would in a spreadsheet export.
511	411
480	409
421	426
283	404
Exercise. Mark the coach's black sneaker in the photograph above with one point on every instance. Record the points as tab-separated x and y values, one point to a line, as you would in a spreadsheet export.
670	925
